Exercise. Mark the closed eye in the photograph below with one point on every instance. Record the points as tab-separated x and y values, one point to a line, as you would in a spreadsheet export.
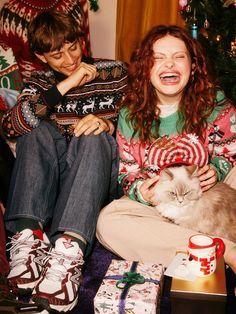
57	56
180	57
74	46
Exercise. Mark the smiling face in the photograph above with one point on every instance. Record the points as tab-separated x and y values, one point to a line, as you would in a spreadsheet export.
171	70
66	60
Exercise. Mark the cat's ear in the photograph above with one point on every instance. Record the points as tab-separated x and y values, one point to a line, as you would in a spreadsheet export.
192	170
166	174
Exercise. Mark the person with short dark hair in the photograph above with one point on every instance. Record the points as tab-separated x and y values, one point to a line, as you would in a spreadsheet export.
15	17
66	161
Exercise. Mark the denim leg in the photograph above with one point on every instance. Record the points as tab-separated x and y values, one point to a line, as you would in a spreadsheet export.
91	174
67	184
35	179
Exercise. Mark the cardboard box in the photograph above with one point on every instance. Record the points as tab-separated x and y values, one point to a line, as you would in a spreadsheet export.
202	296
130	287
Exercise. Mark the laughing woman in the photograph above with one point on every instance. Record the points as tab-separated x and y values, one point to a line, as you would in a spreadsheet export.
171	100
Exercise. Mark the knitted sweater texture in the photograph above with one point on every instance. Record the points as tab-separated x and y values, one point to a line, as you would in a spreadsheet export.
40	99
139	162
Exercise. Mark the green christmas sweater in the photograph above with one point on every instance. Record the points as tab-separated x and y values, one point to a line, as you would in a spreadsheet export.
141	161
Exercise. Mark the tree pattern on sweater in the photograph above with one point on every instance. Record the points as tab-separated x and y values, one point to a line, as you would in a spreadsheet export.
98	97
139	162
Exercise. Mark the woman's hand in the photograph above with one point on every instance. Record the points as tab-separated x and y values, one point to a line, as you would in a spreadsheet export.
147	190
208	177
93	124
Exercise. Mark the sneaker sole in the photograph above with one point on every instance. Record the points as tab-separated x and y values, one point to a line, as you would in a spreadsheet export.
26	288
58	308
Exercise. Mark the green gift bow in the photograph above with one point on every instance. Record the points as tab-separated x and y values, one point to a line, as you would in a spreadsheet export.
130	278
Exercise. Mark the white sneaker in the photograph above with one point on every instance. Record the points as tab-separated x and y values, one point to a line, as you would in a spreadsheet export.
58	286
27	257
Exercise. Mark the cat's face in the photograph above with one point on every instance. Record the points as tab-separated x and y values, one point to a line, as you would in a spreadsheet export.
178	186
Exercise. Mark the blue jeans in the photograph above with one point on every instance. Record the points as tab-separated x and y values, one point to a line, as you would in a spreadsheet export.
64	183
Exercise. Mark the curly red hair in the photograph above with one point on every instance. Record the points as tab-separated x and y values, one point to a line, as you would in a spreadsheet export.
198	98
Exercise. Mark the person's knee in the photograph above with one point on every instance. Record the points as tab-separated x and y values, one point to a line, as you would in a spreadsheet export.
44	141
102	220
230	258
93	139
95	144
105	219
40	131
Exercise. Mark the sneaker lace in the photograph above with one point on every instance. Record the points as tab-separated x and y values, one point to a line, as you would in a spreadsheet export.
20	249
60	263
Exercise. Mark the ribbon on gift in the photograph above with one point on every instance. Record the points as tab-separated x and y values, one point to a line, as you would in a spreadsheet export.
127	280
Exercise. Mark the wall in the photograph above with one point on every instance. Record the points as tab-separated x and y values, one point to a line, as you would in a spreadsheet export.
103	29
2	3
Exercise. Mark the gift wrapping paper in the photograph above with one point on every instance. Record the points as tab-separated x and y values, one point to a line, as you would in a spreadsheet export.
130	288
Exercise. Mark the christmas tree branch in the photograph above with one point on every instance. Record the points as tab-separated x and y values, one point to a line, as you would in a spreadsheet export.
94	5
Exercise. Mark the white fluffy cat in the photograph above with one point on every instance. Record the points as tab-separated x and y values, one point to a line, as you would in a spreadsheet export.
182	201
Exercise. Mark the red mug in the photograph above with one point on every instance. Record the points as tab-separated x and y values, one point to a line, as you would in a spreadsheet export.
203	252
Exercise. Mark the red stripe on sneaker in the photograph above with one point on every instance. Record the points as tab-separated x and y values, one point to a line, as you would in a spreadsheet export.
38	233
67	244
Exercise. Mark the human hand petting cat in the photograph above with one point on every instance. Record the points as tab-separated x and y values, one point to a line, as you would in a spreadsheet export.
147	190
208	177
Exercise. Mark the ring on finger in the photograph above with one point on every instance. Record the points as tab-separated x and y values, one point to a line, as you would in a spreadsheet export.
98	124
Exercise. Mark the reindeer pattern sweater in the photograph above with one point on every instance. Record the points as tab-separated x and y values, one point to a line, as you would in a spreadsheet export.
40	99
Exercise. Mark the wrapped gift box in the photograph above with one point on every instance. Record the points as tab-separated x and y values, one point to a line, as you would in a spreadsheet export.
130	287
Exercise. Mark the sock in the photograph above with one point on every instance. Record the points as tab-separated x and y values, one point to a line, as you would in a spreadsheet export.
82	245
32	224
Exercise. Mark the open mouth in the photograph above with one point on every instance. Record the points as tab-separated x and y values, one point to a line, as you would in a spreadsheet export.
171	77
